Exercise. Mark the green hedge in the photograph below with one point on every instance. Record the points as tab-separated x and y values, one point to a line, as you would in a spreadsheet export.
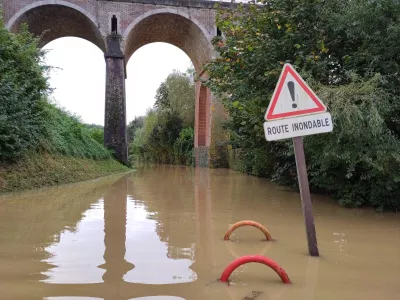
348	52
28	121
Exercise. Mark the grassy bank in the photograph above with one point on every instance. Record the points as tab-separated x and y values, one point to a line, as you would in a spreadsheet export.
39	170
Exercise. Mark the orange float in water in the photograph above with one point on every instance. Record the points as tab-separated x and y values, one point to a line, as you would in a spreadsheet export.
247	223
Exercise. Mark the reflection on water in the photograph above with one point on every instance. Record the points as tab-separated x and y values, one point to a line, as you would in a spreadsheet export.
141	298
158	234
73	252
153	265
71	298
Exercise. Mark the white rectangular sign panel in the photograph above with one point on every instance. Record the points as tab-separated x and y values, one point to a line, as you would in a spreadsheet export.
300	126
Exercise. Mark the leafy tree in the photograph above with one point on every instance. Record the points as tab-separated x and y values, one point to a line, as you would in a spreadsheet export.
348	52
162	99
163	137
359	162
134	125
139	149
177	94
167	128
183	147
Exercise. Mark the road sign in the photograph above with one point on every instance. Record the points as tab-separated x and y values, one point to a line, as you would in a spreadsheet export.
295	111
292	97
299	126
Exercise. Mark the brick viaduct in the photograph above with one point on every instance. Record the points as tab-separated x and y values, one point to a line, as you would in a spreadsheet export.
119	28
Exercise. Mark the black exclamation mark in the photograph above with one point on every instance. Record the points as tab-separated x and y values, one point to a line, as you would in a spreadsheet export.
291	90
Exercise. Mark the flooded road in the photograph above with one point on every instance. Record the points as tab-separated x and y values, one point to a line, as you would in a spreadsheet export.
158	233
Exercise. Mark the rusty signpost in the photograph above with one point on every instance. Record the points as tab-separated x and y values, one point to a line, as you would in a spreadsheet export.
296	111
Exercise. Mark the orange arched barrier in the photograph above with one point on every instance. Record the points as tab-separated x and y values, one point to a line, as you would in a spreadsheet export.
254	258
250	223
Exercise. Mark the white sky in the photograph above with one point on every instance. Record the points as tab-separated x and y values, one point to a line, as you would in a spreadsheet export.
80	83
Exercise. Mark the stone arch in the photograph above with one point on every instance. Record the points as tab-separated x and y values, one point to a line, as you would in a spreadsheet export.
176	27
171	26
61	18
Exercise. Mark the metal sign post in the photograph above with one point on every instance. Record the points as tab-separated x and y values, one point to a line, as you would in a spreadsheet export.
296	111
305	196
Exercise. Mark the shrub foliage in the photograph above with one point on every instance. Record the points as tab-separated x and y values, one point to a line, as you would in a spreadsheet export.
165	135
348	51
28	120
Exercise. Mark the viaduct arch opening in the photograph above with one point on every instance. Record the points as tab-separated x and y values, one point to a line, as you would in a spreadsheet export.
56	19
119	39
183	31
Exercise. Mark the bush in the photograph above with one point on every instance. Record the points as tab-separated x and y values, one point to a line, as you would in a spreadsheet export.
359	162
183	147
165	135
65	134
28	121
348	52
23	88
96	132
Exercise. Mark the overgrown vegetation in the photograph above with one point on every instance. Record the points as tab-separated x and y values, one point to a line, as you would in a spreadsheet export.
23	90
96	132
29	122
165	135
349	52
135	124
66	134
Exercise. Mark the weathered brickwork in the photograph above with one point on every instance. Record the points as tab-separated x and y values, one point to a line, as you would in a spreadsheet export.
189	25
202	126
115	115
12	7
201	156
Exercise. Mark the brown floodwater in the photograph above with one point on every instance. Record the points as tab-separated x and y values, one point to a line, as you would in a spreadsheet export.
157	233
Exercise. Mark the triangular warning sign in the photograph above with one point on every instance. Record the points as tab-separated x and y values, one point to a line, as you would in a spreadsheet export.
292	97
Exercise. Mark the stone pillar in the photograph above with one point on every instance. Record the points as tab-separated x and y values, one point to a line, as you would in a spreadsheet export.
202	125
115	108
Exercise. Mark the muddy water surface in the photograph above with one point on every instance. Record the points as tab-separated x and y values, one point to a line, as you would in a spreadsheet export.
157	234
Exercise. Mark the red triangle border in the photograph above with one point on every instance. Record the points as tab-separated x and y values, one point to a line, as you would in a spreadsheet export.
320	107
